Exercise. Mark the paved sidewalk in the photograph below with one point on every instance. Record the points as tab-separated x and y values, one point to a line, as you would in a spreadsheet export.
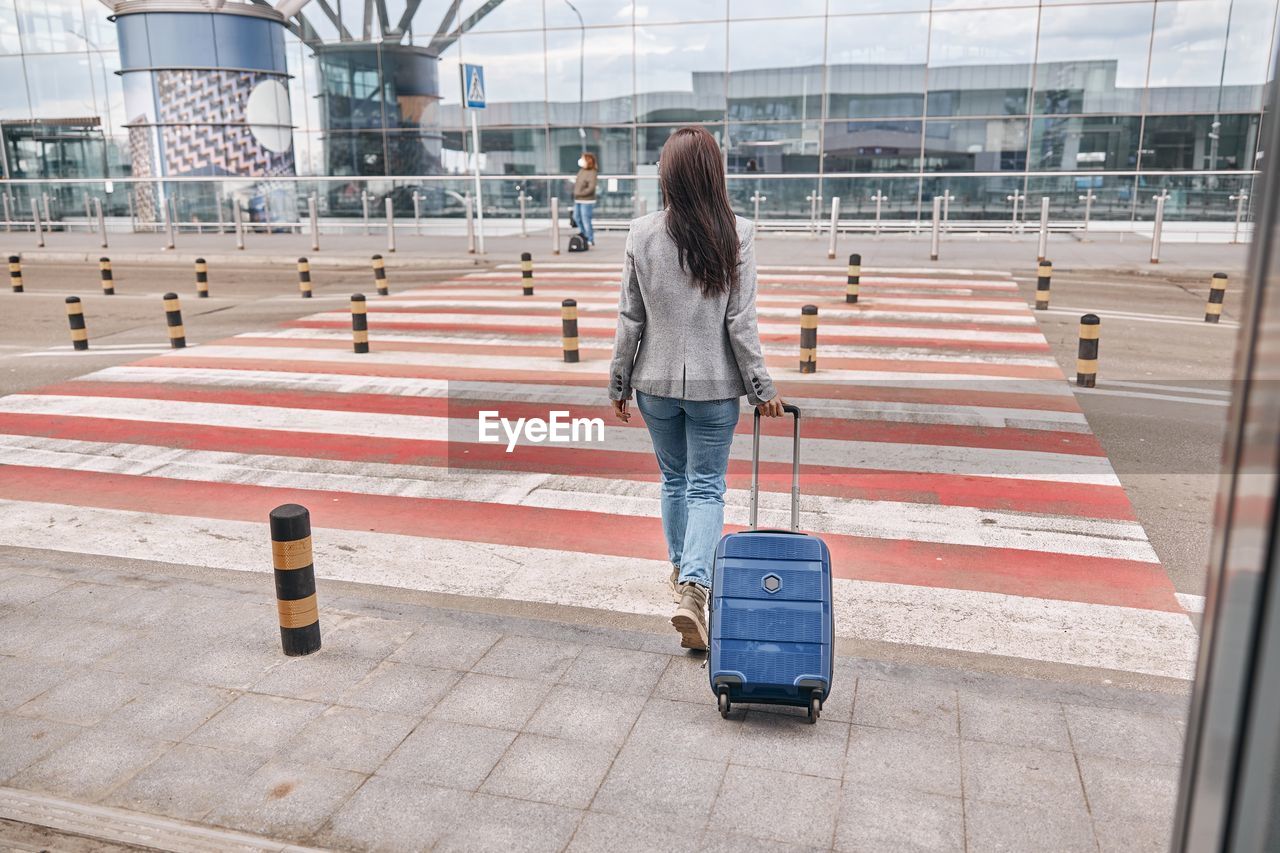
161	689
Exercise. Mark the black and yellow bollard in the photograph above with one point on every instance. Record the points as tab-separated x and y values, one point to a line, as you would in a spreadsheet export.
304	278
1044	276
173	316
75	319
15	273
295	575
855	276
526	272
202	279
1087	356
1217	293
359	323
569	329
809	339
380	275
108	278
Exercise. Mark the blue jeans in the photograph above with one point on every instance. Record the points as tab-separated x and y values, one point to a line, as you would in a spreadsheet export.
691	439
582	213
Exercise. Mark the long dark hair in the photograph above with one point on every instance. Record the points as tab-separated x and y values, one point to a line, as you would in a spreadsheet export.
699	218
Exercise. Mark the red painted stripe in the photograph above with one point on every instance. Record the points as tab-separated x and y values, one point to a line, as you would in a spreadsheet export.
464	347
837	429
552	303
995	493
877	391
1013	572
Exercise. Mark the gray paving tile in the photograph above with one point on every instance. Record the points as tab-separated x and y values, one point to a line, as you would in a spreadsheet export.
319	677
367	637
624	671
1150	835
876	819
647	785
599	831
230	664
356	739
186	782
888	759
401	688
1018	722
24	740
498	823
685	679
1126	790
19	590
1126	735
1048	827
791	744
490	700
446	647
256	723
778	806
170	710
717	840
1020	775
549	770
395	815
515	656
452	755
89	765
683	728
21	679
578	713
910	707
286	800
83	699
63	641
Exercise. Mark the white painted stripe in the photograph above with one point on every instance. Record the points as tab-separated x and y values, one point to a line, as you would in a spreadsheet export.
538	366
577	395
1164	398
1190	603
1142	318
1092	635
610	297
946	525
832	268
766	274
1185	389
880	456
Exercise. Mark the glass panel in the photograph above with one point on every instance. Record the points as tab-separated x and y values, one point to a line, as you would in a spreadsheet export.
139	97
611	145
1112	197
872	146
898	197
48	25
100	32
594	13
680	73
1248	52
13	95
1088	142
876	65
512	151
135	47
351	89
515	84
9	41
181	40
664	11
779	199
980	61
244	42
1187	53
507	15
975	145
1093	59
1199	142
1204	197
846	7
60	86
409	85
985	199
109	91
742	9
651	139
606	78
354	153
781	82
413	152
774	147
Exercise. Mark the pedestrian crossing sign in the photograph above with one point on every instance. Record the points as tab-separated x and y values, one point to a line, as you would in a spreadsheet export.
473	86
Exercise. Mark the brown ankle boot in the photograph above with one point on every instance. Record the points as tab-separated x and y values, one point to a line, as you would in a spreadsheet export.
690	618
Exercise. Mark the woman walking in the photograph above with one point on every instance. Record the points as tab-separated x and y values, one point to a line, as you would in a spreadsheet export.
687	343
584	196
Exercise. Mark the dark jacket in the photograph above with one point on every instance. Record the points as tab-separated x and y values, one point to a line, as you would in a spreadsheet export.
584	187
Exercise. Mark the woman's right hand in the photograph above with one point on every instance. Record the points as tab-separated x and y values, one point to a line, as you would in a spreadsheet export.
772	408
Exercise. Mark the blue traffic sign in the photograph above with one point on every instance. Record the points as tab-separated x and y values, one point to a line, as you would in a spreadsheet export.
473	86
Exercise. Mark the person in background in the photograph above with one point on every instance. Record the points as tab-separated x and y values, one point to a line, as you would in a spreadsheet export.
584	196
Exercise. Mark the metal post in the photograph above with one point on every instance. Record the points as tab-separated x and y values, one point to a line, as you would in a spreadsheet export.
934	238
8	213
475	142
1157	226
879	199
417	214
313	212
238	216
756	199
88	214
555	225
391	226
1016	198
364	208
835	221
168	226
102	222
1044	228
946	209
471	226
1239	198
35	222
221	224
1087	198
813	199
524	232
47	217
133	217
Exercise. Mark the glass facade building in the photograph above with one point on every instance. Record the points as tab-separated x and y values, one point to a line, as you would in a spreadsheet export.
980	100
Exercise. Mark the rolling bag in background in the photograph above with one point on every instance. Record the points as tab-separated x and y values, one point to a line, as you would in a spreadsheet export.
772	622
577	243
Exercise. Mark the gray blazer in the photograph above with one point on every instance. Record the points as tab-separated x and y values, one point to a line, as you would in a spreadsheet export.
673	341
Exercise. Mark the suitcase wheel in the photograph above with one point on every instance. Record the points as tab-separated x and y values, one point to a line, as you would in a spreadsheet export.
815	709
722	700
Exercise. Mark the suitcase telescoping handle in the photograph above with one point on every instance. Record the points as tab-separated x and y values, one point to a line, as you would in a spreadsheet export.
795	469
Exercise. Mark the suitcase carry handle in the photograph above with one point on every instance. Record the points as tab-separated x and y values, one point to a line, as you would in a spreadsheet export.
795	469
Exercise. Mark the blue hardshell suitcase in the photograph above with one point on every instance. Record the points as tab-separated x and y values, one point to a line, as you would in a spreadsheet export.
772	621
